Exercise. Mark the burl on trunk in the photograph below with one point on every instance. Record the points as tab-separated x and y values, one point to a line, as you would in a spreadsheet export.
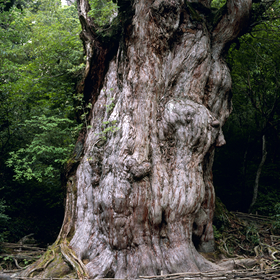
141	200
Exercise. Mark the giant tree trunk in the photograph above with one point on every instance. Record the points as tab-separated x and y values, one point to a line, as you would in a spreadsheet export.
142	194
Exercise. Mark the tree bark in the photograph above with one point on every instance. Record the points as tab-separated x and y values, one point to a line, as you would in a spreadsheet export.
258	174
142	194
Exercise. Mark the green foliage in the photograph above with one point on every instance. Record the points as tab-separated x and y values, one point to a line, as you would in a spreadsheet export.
218	3
106	129
83	108
267	199
252	234
3	220
41	62
8	262
109	126
254	61
3	217
102	11
221	218
48	151
110	106
217	234
277	216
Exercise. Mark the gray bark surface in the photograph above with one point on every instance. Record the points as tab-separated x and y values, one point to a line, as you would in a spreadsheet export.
145	193
142	195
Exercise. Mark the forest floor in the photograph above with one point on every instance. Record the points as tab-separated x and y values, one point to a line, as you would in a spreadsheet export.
250	236
17	256
247	246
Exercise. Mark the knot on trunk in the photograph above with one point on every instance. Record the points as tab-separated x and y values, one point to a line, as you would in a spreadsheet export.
189	122
139	171
167	17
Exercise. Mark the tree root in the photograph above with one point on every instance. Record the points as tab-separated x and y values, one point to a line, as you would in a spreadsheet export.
17	265
46	260
76	264
59	260
231	274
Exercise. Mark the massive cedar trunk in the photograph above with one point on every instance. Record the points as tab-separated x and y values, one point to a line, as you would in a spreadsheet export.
142	194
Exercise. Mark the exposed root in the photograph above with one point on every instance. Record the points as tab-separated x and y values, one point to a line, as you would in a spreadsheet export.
76	263
17	265
43	263
62	257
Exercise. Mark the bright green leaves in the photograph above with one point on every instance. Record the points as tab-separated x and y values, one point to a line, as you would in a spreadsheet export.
110	106
41	63
108	126
102	11
47	152
218	3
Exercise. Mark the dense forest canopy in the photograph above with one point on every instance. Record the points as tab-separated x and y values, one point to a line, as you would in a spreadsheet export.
42	111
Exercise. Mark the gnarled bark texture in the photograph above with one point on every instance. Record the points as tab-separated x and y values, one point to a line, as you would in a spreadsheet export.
142	195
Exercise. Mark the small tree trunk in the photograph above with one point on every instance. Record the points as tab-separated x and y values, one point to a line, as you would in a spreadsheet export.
244	164
142	194
259	171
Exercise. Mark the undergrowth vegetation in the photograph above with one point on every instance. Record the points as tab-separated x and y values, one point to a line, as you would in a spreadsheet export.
239	234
